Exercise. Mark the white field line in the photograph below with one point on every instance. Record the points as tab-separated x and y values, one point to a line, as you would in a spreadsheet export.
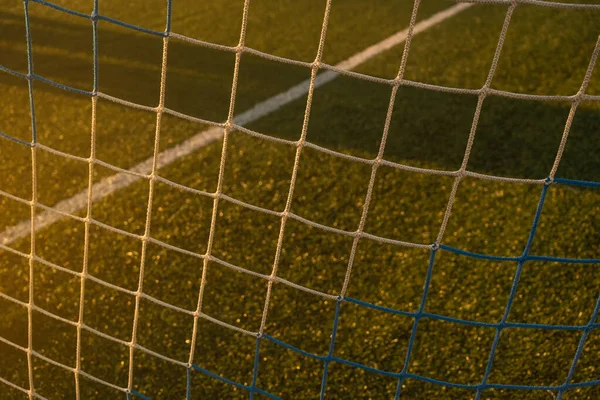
121	180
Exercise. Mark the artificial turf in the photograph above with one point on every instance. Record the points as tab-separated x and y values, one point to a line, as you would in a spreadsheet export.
515	138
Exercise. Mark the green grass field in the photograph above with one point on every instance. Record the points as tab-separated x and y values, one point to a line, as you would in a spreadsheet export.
546	52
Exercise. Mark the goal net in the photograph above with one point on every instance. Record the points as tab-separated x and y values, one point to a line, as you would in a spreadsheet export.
80	208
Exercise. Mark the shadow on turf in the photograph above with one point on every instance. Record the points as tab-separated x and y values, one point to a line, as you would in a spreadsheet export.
429	129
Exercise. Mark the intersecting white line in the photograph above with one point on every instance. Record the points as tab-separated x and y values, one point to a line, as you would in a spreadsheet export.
113	183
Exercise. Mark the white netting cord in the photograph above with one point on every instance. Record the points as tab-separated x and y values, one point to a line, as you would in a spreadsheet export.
300	145
577	99
86	248
89	205
482	95
379	158
138	295
219	191
30	305
33	205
